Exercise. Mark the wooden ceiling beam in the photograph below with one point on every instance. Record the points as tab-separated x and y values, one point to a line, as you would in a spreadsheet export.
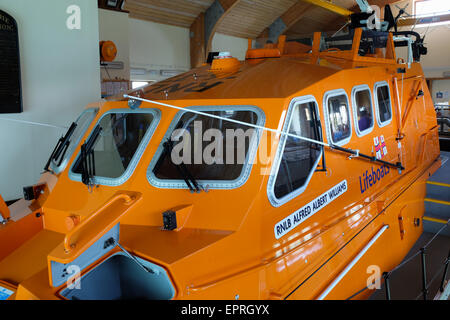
286	21
174	7
337	23
330	7
203	29
295	13
150	7
159	19
169	16
382	3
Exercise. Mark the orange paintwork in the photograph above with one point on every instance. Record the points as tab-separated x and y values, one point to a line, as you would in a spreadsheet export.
224	65
225	245
4	210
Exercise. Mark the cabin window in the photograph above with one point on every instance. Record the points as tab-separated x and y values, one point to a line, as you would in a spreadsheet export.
59	163
363	111
338	117
214	152
383	99
124	136
297	160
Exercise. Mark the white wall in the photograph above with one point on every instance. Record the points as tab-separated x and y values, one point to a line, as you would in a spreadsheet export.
437	61
155	46
441	86
114	26
60	75
236	46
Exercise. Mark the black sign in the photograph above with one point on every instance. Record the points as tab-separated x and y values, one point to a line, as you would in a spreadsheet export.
10	83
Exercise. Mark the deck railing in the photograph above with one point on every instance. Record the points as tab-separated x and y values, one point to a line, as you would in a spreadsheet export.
443	270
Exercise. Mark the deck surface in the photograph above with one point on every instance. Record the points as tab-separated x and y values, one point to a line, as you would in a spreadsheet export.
443	174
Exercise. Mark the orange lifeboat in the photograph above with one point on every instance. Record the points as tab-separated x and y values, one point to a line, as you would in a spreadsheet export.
280	177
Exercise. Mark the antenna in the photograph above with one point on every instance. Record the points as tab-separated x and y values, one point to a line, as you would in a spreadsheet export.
403	10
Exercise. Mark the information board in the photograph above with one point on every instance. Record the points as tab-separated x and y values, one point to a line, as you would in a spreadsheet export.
10	82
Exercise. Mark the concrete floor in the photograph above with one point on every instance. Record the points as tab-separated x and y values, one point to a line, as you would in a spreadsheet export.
443	173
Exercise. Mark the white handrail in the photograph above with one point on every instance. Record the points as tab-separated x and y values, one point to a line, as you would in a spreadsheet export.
354	261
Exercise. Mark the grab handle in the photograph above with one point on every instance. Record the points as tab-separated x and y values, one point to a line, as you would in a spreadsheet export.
92	228
352	263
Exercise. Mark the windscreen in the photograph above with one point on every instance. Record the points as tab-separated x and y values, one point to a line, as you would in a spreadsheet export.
83	122
121	134
299	157
207	148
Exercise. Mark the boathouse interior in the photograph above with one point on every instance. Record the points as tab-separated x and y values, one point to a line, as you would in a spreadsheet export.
74	52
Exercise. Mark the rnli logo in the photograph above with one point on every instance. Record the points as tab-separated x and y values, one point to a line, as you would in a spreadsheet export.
299	216
380	147
371	178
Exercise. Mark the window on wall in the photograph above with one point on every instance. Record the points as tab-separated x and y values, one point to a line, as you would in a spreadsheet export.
299	157
339	118
384	108
362	106
138	84
432	7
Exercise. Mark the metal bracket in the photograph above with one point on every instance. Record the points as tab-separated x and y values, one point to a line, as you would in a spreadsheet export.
4	221
356	155
410	50
132	257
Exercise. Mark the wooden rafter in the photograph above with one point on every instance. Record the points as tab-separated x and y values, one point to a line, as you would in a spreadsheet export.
340	20
287	20
181	13
241	18
330	6
204	27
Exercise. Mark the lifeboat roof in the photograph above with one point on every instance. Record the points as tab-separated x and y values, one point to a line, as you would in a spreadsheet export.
262	78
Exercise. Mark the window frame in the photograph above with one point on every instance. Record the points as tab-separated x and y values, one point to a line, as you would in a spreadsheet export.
212	184
274	201
326	98
114	182
377	106
74	144
356	89
437	14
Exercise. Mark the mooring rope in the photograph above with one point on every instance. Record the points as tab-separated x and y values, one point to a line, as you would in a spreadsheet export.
354	153
35	123
231	120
